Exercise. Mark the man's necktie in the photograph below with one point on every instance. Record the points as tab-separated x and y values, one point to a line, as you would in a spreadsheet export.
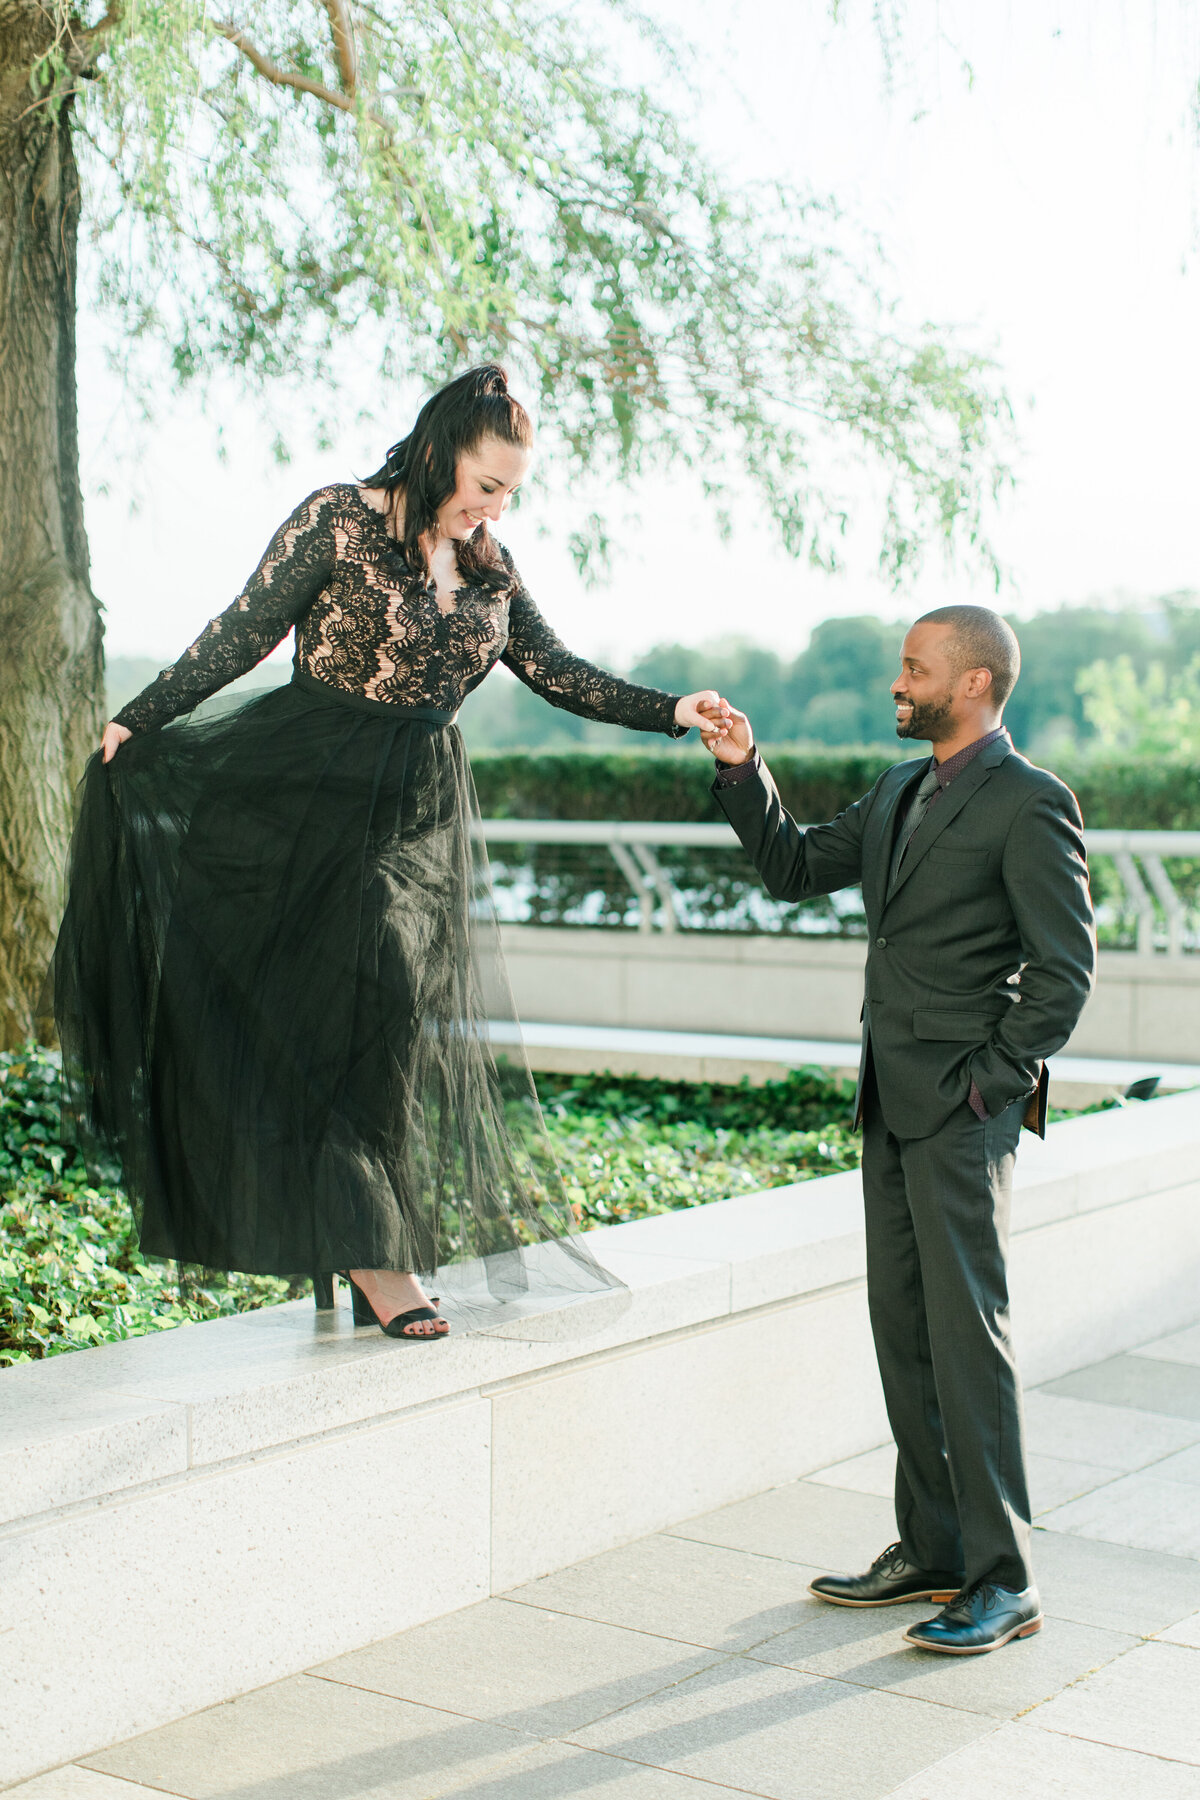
920	806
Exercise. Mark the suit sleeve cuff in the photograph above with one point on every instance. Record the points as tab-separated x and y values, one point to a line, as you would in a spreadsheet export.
729	774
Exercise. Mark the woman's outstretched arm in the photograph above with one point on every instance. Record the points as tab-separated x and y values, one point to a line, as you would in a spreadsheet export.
542	661
296	566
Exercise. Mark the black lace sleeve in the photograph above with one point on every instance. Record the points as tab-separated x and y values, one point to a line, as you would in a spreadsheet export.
543	662
296	566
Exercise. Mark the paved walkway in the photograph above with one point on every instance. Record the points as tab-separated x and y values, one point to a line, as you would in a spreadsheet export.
694	1664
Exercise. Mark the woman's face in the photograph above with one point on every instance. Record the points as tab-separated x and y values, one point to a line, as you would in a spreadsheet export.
487	479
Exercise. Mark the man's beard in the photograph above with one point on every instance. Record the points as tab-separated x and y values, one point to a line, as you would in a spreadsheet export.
929	719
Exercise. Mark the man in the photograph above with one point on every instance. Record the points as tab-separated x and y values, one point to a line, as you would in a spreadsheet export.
981	953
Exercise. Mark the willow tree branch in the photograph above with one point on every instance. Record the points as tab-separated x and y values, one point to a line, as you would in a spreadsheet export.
345	103
77	45
281	77
343	43
114	15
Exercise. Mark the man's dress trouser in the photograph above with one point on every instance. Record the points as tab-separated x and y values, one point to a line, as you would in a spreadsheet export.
937	1211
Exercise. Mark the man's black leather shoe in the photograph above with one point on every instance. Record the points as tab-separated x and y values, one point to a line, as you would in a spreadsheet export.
889	1580
981	1618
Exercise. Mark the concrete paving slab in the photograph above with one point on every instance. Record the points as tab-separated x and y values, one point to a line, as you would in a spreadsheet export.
1146	1383
1180	1346
1052	1480
786	1734
1146	1511
1108	1437
874	1472
75	1783
1111	1585
1021	1762
1144	1701
702	1594
521	1666
832	1527
558	1771
1183	1466
305	1739
1186	1632
866	1647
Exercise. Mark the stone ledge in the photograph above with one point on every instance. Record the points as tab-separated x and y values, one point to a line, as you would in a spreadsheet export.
94	1422
818	948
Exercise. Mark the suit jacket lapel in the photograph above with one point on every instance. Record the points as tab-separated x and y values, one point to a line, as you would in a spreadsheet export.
883	820
946	809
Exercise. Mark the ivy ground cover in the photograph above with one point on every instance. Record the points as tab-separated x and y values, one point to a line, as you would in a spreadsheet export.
71	1273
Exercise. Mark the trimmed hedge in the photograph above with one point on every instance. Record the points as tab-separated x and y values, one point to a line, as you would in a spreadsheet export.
1147	794
646	784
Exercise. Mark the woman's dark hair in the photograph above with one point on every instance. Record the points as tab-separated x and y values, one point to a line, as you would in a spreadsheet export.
421	471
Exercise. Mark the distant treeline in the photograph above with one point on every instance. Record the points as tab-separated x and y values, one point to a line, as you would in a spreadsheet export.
835	693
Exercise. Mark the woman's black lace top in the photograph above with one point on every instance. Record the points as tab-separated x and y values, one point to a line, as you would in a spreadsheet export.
367	624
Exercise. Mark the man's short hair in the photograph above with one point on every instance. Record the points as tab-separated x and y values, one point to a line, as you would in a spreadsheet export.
981	640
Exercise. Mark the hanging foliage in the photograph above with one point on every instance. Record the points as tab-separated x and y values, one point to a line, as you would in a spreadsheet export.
441	180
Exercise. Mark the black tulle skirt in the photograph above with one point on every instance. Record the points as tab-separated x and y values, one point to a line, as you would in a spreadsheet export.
272	989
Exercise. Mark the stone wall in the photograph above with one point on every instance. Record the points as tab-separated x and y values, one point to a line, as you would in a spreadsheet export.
1143	1006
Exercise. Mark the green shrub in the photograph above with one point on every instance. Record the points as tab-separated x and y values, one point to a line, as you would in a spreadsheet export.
1143	794
801	1100
1150	793
629	1148
71	1275
615	1169
645	784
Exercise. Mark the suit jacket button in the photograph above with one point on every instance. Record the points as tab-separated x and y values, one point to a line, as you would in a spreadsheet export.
881	943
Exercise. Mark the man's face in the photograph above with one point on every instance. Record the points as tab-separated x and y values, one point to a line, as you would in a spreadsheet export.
927	690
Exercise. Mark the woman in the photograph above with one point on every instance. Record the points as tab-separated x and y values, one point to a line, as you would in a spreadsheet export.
269	981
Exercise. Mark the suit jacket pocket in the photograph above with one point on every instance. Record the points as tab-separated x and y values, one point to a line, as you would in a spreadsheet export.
953	1027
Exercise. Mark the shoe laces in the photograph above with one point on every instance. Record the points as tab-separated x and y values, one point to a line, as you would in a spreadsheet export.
890	1558
965	1595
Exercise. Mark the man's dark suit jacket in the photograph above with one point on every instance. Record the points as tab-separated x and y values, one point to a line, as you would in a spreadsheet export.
983	952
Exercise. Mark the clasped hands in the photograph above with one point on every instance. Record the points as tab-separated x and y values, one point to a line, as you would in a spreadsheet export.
723	729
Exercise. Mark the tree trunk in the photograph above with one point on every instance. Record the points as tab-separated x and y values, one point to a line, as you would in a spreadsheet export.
51	660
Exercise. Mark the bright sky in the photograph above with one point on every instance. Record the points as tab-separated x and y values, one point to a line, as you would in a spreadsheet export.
1048	210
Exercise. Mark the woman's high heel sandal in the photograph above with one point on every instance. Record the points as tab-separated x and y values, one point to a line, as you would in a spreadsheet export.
323	1296
365	1314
